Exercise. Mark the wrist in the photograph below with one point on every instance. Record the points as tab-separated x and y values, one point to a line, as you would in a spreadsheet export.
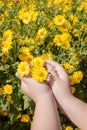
66	101
45	98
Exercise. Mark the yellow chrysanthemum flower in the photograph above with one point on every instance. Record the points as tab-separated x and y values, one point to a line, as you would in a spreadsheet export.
23	68
84	27
59	20
8	89
24	50
74	18
76	32
47	56
41	33
25	118
62	40
68	128
65	27
8	35
68	66
27	16
26	57
6	46
39	74
76	77
37	61
34	15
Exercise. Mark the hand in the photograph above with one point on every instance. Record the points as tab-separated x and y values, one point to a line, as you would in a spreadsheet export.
58	80
34	89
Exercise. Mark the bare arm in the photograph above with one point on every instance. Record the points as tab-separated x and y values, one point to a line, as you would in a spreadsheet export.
46	115
75	109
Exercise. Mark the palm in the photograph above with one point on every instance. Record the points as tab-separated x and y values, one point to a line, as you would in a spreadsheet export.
33	88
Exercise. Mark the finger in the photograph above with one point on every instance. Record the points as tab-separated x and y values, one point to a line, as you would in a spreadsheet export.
58	68
24	79
48	80
52	73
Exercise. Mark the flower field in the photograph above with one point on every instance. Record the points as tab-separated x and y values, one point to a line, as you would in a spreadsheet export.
32	31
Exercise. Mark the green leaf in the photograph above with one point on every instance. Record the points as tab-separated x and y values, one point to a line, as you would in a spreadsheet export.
26	101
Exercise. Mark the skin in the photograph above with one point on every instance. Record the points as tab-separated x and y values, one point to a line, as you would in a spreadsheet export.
46	115
75	109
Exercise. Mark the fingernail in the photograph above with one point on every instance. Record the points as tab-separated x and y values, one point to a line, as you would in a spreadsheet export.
16	75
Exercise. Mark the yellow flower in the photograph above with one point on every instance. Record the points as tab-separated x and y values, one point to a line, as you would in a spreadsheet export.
34	16
25	54
76	32
29	40
26	18
76	77
57	40
57	1
9	99
23	68
65	27
68	128
62	40
66	8
59	20
20	41
8	35
37	61
74	18
47	56
6	46
84	27
8	89
41	33
39	74
25	118
82	6
68	66
26	57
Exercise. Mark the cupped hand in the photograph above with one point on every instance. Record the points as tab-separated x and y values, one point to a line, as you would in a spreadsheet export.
58	80
35	90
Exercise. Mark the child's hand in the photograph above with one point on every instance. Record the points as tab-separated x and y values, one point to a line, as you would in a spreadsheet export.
58	80
34	89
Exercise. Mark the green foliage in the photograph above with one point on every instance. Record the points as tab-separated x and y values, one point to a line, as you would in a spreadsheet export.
24	29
